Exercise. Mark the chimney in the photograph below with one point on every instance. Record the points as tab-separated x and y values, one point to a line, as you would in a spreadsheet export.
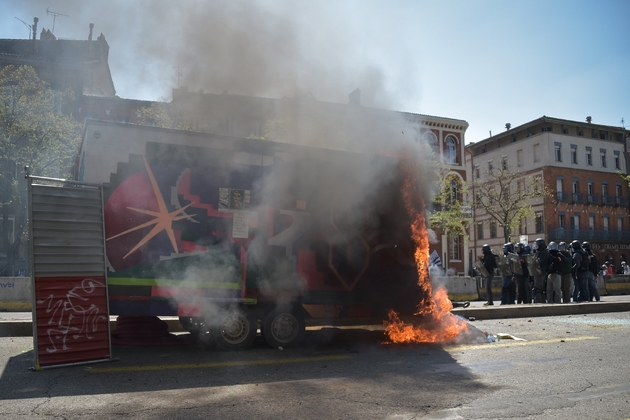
355	97
90	36
589	119
35	20
508	126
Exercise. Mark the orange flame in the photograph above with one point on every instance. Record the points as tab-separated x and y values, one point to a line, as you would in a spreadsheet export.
439	325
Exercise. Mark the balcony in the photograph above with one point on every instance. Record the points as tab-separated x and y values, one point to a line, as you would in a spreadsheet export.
562	196
578	198
622	201
568	235
608	200
592	199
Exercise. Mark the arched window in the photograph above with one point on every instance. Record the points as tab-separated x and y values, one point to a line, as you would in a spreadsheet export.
431	139
451	150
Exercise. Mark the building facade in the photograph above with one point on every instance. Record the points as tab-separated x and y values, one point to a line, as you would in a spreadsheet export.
579	163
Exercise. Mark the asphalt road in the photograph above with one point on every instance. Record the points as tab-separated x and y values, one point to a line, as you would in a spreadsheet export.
570	367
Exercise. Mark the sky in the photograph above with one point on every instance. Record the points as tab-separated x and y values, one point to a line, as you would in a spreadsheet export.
488	62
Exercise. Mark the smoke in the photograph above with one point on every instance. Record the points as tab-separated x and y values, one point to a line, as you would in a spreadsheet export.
310	58
258	48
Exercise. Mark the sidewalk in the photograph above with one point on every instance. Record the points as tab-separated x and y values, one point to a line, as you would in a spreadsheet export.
476	310
14	324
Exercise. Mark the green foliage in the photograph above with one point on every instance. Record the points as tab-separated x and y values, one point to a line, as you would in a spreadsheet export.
449	213
165	115
34	131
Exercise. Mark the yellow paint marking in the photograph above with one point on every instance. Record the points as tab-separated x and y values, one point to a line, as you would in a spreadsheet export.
218	364
508	343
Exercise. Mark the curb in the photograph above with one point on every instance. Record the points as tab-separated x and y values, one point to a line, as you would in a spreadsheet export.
541	310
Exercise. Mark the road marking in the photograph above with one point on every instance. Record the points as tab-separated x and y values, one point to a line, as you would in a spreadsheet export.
508	343
218	364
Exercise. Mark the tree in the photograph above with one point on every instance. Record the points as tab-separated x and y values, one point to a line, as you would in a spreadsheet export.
34	131
449	213
166	115
506	195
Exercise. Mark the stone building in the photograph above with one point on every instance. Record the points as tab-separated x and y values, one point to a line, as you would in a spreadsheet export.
580	163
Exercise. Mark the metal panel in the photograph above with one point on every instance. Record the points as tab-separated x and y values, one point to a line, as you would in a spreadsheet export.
70	305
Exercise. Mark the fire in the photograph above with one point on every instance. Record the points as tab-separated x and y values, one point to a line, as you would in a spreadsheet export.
438	324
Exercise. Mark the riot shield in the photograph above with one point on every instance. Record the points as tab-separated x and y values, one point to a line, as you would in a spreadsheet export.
515	263
533	265
480	268
504	265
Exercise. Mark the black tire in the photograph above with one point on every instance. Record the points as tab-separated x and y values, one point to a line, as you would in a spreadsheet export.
283	328
236	331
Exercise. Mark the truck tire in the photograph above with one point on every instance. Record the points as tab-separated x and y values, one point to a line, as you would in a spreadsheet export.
283	328
236	331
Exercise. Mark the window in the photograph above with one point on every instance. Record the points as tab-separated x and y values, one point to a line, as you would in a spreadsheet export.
477	172
576	188
575	221
519	157
604	190
539	222
589	157
561	220
537	153
603	157
574	155
431	139
453	192
493	229
591	222
519	188
451	150
589	187
455	250
558	152
606	222
522	227
504	163
480	230
619	224
538	184
617	161
563	129
579	131
490	166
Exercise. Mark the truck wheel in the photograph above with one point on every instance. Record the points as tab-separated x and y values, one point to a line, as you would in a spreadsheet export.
283	328
236	331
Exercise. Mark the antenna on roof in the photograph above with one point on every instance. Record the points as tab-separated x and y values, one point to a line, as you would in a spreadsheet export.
55	14
27	25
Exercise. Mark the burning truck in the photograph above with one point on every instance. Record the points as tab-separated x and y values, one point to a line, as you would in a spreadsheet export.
235	234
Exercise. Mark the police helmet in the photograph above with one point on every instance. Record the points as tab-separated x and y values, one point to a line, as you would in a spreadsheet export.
520	247
576	245
553	246
562	246
540	244
485	249
586	245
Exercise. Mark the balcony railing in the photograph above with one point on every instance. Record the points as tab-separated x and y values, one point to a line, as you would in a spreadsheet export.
608	200
622	201
578	198
562	196
592	199
568	235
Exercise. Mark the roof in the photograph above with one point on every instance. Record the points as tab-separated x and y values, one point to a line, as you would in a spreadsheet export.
543	119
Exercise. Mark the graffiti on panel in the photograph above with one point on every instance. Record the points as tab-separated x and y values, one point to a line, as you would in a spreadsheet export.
73	317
